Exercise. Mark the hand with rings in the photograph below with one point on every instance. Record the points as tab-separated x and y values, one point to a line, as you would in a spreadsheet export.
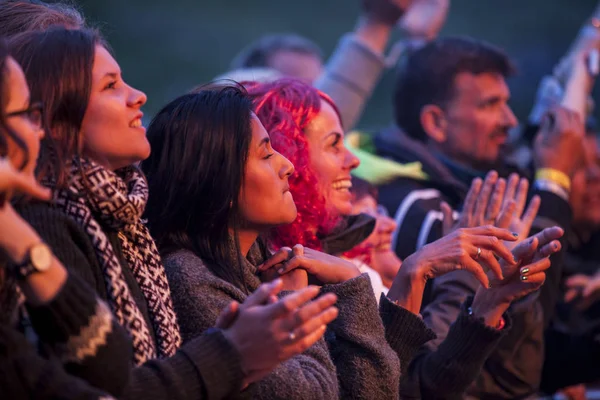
520	279
323	268
266	330
463	249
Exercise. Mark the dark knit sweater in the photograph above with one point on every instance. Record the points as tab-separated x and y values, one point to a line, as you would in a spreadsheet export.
79	331
207	367
26	375
442	372
199	296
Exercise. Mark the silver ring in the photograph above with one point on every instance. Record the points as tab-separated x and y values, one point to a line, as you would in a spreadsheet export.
478	253
292	336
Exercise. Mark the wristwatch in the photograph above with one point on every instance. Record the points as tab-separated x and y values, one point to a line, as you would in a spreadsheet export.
37	259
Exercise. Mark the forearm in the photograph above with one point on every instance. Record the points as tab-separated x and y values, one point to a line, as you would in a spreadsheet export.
206	367
83	335
367	367
25	374
404	331
408	287
451	367
373	34
40	287
355	67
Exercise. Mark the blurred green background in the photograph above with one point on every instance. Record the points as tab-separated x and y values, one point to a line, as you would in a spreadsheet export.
165	47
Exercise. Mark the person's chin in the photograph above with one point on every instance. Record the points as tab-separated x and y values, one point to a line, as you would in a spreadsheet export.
143	152
343	207
291	214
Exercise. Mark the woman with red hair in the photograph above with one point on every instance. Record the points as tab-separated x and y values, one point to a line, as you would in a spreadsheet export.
305	126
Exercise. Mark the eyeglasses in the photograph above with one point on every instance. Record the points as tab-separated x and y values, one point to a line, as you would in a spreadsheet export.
34	113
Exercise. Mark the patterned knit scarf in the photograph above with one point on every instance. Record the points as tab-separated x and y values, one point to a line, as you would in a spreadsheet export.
117	200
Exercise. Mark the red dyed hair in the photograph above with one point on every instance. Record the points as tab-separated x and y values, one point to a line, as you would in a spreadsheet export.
285	108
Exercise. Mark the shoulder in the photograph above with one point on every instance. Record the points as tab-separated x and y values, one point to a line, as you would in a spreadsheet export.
188	273
55	226
198	295
45	215
184	263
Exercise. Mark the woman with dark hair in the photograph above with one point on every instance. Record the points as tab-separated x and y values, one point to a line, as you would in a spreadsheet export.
218	184
305	126
95	137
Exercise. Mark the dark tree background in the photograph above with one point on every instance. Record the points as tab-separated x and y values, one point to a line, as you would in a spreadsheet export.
165	47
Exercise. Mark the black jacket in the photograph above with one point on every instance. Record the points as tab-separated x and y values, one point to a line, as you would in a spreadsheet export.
514	368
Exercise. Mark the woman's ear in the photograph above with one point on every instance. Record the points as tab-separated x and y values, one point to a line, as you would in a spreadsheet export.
433	121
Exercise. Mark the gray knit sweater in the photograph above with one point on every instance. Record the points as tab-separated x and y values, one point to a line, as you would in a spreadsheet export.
366	355
199	297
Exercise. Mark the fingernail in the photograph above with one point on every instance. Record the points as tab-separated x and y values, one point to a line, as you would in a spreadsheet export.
555	245
524	271
515	234
280	270
523	278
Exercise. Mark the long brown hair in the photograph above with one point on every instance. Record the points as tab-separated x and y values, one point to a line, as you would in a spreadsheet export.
58	66
18	16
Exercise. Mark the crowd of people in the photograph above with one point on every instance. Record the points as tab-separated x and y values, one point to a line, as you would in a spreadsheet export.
249	244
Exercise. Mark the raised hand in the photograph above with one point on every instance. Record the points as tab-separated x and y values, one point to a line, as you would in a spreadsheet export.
513	215
324	268
424	18
481	206
385	11
583	290
522	278
559	142
266	332
13	181
463	249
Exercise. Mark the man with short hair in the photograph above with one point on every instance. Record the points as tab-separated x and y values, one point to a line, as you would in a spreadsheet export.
451	103
290	54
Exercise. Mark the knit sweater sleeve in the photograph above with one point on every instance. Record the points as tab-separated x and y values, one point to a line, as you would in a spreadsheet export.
447	371
199	297
367	367
206	367
26	375
81	333
68	241
350	77
404	331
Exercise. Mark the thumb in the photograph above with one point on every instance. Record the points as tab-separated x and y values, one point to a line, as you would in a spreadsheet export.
262	295
228	315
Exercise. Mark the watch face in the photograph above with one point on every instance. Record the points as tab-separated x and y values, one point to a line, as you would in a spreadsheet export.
41	257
